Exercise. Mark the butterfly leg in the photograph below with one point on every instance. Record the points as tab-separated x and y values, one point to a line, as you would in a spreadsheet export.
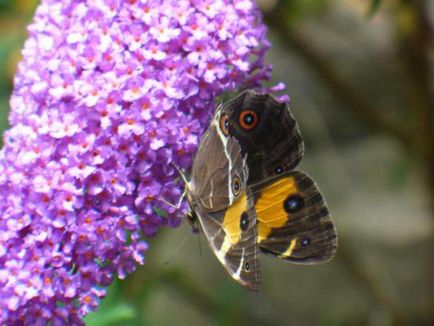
178	205
184	178
191	215
181	173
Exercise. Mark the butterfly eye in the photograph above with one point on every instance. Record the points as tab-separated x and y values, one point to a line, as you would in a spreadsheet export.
293	203
224	124
236	186
244	221
247	266
248	119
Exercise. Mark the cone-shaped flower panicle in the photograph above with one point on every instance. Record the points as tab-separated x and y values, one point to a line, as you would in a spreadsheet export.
109	93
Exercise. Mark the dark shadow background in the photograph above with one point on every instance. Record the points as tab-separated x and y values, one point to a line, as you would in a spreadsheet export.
360	77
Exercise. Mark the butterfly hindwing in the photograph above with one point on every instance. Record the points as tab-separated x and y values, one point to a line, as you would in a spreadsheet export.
232	236
294	222
267	133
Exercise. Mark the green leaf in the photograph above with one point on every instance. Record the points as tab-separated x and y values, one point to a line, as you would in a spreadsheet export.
117	314
160	212
113	310
5	5
400	171
375	5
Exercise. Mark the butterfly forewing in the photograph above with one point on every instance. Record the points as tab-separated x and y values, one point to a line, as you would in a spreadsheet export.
219	172
267	133
217	193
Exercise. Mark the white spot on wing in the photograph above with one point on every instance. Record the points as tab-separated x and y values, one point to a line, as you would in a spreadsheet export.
237	274
221	254
224	140
210	194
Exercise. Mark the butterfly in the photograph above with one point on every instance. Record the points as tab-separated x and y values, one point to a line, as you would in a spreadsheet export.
248	197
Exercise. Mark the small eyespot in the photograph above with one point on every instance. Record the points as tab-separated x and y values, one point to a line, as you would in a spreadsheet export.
224	124
244	221
278	169
305	241
247	266
236	186
293	203
248	119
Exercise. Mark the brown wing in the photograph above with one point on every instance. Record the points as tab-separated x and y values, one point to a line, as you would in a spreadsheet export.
217	194
232	236
219	172
267	133
294	222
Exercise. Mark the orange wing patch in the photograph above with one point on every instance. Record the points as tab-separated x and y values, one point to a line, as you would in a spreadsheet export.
269	206
231	223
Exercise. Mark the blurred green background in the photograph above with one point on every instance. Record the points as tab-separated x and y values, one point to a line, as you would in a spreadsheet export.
360	77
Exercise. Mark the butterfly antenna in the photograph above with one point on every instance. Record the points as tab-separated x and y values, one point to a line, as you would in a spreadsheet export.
219	105
169	260
199	244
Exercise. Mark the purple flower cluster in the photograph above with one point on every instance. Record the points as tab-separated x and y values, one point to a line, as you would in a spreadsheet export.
109	93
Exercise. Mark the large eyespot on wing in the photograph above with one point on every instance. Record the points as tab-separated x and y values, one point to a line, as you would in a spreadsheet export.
260	122
294	222
232	236
219	171
248	119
